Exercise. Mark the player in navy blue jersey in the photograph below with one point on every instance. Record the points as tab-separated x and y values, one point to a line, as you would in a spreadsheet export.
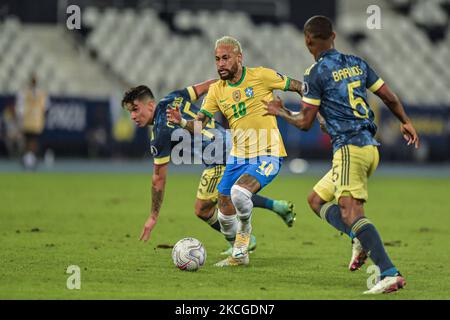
145	111
335	87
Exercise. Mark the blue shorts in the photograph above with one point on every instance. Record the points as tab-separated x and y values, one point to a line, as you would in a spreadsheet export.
263	168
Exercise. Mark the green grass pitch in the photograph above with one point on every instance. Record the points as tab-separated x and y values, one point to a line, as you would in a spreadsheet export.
51	221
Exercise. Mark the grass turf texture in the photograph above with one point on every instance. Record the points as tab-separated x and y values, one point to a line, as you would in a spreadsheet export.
51	221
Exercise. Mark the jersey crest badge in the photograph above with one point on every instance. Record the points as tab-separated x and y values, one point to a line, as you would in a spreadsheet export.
305	88
237	95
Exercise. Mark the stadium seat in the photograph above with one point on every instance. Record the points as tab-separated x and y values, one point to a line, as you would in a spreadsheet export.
164	54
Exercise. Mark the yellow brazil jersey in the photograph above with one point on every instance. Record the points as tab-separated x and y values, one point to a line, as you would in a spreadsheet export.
253	134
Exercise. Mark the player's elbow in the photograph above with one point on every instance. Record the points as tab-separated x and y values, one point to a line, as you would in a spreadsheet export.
387	96
391	100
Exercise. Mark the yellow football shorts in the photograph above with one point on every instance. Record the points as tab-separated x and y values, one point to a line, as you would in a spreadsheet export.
207	188
352	166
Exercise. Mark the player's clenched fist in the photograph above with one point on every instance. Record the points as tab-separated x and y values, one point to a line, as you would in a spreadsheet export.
174	115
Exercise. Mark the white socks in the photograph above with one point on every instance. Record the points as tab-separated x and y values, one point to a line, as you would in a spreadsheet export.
228	225
242	201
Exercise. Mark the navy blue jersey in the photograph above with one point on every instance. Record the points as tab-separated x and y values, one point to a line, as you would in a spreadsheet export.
165	137
337	83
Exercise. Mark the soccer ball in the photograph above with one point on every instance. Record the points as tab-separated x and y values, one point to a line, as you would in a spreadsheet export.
189	254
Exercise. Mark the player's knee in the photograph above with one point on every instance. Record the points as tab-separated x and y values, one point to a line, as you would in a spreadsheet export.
315	202
346	217
241	199
225	205
351	209
203	209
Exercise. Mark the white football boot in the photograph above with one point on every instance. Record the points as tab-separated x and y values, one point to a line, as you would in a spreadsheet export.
388	285
240	251
359	256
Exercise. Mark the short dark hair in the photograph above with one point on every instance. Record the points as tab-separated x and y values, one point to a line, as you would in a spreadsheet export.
136	93
319	27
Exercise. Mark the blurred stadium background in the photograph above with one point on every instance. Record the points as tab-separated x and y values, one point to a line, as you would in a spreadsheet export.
168	44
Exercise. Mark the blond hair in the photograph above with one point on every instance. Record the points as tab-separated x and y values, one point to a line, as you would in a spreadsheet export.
230	41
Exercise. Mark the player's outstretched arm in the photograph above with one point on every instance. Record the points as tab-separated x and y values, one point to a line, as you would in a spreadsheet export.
202	88
295	86
174	117
158	186
302	120
393	102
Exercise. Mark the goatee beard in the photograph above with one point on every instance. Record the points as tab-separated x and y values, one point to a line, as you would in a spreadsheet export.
229	76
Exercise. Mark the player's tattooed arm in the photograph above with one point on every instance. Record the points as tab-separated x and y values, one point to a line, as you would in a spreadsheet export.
157	198
391	100
295	86
158	186
302	120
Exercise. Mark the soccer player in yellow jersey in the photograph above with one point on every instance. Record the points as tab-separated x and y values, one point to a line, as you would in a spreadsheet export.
258	150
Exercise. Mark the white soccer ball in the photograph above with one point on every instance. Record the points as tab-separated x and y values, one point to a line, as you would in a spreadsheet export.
189	254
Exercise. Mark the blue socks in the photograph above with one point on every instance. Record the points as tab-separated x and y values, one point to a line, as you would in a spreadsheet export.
216	226
366	233
370	240
262	202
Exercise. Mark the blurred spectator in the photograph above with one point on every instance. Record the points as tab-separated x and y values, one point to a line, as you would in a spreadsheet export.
31	106
12	132
97	135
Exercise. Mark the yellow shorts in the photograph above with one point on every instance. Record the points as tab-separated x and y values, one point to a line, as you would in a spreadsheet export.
352	166
207	188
